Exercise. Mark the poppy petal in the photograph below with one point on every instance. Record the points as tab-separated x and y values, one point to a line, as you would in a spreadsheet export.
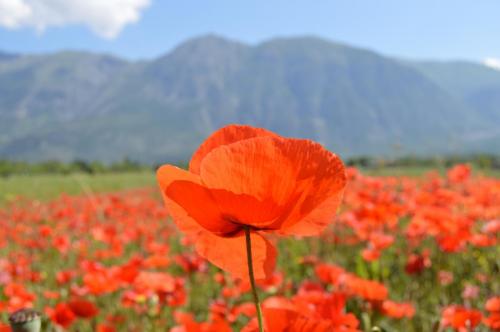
166	175
279	320
229	254
278	302
245	209
253	167
199	204
226	135
317	220
282	320
320	183
301	181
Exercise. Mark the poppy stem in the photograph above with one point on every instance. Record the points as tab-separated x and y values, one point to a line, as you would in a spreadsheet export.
252	279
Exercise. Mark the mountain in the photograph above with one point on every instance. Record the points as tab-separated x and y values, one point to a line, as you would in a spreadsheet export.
476	86
79	105
7	56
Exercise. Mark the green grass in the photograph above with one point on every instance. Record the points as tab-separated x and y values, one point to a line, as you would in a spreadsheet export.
46	187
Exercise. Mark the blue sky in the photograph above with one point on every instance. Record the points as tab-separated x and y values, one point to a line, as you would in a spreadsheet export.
421	29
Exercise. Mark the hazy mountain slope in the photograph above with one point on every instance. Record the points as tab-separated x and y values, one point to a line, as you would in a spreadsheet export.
78	105
38	92
352	100
7	56
478	87
475	84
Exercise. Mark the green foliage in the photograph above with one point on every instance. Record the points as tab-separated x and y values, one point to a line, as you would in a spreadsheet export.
49	186
8	168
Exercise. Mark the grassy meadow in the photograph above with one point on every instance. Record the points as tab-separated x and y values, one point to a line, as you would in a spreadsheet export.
49	186
410	251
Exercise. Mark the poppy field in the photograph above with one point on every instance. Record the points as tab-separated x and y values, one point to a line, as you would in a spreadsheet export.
355	253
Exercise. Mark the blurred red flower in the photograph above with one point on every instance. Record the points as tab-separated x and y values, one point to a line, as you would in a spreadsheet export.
460	318
83	308
61	315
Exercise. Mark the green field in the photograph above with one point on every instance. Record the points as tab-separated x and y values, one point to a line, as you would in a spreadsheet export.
50	186
409	270
45	187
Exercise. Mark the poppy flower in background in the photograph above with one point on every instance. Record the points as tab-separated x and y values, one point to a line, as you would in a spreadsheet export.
459	173
83	308
493	307
460	318
417	263
250	179
61	315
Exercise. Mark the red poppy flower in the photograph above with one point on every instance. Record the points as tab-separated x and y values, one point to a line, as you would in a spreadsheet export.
188	324
459	173
493	304
244	178
83	308
397	310
155	281
460	317
416	263
493	307
105	328
61	315
323	314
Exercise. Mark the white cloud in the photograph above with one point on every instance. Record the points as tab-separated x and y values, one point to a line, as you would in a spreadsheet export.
492	63
12	12
105	17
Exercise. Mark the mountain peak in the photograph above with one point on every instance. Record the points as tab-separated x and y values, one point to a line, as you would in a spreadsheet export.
207	43
304	39
204	50
211	39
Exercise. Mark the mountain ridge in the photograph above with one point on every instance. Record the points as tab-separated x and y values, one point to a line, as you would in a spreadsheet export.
92	106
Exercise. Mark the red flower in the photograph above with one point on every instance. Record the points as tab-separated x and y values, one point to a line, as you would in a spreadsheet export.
316	312
105	328
417	263
243	178
397	310
493	307
186	323
460	318
61	315
459	173
83	308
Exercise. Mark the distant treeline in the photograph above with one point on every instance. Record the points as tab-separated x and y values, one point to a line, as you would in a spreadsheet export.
9	167
483	161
